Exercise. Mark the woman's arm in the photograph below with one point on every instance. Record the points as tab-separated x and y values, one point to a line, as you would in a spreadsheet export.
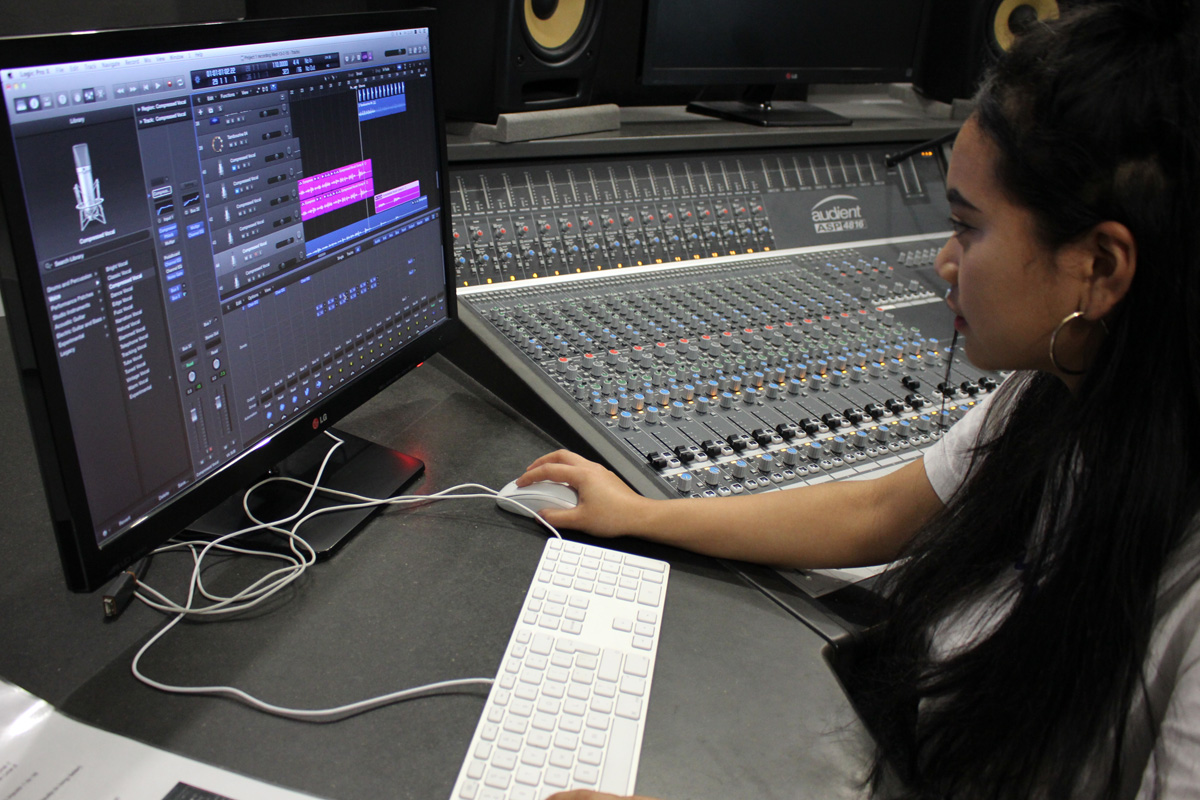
834	524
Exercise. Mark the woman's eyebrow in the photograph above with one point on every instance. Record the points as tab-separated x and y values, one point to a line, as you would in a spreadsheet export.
955	198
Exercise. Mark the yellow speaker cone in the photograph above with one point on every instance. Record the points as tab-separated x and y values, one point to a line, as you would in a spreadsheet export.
556	31
1001	24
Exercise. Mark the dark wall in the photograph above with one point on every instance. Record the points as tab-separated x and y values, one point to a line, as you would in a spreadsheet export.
51	16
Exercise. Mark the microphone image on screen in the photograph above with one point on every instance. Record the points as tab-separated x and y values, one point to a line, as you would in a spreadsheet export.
88	201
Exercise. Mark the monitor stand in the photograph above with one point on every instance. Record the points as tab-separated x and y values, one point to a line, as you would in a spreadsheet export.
358	466
757	108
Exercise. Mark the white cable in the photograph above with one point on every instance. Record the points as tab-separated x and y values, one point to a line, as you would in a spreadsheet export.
273	582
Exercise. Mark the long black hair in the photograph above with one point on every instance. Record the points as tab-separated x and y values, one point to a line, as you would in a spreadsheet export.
1088	495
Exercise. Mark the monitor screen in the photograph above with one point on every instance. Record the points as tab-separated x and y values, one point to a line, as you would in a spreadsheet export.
221	239
779	42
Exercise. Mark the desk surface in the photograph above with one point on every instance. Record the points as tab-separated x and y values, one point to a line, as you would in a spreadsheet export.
743	702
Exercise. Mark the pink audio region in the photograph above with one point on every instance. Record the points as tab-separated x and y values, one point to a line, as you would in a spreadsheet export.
394	197
329	191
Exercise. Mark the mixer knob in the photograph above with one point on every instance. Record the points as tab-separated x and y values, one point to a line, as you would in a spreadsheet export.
904	429
678	409
814	451
749	395
860	440
639	401
766	464
651	415
924	423
837	445
712	476
791	456
773	392
726	400
702	404
740	468
883	433
625	420
683	482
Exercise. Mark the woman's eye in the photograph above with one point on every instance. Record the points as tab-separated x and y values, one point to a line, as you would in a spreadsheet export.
959	227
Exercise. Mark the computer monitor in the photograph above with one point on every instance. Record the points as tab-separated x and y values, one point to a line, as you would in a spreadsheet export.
760	45
220	239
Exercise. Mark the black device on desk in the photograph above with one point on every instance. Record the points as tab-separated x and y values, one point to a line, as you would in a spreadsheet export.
221	239
762	45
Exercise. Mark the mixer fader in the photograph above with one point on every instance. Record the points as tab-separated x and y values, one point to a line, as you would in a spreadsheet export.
798	337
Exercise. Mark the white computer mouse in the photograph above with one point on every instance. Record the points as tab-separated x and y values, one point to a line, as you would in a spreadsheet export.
536	496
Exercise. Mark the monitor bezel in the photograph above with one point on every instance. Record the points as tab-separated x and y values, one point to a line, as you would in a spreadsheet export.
86	564
651	73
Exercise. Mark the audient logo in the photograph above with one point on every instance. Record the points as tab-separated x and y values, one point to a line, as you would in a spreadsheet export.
838	217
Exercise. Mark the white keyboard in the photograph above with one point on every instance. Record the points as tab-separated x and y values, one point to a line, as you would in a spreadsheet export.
568	708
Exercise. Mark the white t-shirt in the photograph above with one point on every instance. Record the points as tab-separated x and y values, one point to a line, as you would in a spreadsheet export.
1162	738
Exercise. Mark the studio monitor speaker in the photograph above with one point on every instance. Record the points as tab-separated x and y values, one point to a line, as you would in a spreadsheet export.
517	55
962	37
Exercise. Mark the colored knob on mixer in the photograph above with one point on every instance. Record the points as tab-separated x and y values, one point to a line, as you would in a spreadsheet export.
740	469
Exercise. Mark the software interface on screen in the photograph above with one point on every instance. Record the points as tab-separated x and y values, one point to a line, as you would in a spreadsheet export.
224	236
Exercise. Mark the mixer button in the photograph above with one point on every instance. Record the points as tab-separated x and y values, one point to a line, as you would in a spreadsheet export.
910	383
894	405
875	410
988	384
811	426
970	387
947	389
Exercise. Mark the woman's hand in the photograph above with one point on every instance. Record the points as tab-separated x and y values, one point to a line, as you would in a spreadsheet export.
607	507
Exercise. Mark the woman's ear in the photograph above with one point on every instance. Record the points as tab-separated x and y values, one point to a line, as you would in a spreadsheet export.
1109	263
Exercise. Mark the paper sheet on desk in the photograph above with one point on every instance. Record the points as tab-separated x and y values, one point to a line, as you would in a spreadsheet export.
45	754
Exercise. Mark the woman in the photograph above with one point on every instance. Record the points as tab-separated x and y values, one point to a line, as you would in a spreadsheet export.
1044	639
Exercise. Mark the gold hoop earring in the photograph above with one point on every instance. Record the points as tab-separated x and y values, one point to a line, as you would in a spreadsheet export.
1074	315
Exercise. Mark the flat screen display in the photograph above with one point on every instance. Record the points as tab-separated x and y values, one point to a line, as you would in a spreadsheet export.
223	237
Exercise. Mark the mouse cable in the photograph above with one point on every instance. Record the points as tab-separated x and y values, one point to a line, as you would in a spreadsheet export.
271	583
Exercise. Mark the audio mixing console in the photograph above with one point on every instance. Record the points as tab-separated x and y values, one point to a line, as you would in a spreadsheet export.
713	325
